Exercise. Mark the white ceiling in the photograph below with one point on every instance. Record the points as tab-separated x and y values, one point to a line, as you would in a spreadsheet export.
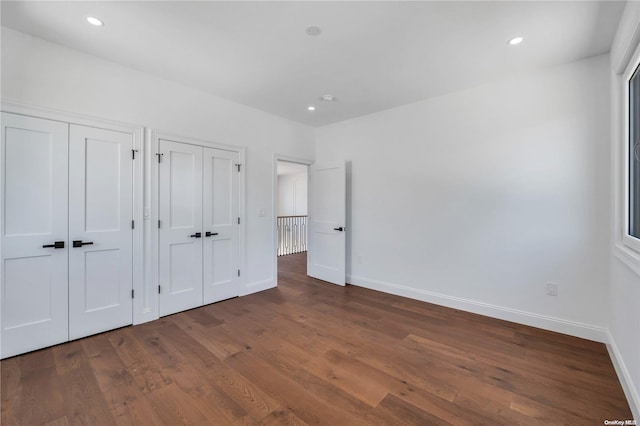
370	55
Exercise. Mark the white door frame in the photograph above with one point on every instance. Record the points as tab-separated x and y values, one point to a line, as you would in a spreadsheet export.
274	204
138	133
152	207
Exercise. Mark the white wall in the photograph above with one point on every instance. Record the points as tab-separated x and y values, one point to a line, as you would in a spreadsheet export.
40	73
624	326
292	194
478	198
624	292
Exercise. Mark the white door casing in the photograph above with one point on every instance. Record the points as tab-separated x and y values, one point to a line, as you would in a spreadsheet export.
220	225
327	216
180	234
34	205
100	219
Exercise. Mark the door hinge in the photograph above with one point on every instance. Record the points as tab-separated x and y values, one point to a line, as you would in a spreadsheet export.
158	289
158	223
238	272
159	157
133	154
132	293
238	166
238	221
133	224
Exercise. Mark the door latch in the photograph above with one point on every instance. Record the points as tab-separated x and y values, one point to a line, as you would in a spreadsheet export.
196	235
56	245
80	243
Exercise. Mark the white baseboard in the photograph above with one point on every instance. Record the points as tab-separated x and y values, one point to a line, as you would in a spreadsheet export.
630	390
257	286
585	331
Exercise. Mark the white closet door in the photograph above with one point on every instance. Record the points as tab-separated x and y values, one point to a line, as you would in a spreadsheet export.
180	238
34	206
100	234
220	225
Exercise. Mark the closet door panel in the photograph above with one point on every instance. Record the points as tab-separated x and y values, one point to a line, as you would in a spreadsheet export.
180	236
220	224
100	214
34	206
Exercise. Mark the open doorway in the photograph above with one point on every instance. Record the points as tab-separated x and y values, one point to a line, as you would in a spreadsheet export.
291	216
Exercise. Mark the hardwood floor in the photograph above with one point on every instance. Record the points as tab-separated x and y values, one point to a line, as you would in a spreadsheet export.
314	353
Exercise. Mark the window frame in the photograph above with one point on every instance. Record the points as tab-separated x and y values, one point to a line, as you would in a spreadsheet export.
628	240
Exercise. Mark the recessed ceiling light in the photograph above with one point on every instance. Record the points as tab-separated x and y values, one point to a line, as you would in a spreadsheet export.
95	21
328	98
515	40
311	108
313	31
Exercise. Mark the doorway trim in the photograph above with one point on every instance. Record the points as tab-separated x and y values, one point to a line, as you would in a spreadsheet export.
274	205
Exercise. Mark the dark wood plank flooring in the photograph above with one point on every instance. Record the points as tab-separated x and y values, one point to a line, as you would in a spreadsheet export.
310	352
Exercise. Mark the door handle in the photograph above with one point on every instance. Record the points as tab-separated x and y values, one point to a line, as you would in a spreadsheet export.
57	245
196	235
340	228
79	243
210	234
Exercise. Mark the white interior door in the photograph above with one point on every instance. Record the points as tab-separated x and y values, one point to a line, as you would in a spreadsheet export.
220	225
327	207
180	236
100	230
34	206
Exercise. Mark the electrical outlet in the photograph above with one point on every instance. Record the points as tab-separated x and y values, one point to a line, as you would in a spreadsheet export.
359	259
552	289
262	212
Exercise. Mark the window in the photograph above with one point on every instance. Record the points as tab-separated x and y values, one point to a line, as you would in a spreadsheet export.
634	155
626	154
628	222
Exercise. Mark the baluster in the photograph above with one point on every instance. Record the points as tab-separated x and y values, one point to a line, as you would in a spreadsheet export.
288	236
278	232
280	242
303	234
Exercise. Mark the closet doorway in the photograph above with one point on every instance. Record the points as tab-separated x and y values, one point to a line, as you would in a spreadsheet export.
199	224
